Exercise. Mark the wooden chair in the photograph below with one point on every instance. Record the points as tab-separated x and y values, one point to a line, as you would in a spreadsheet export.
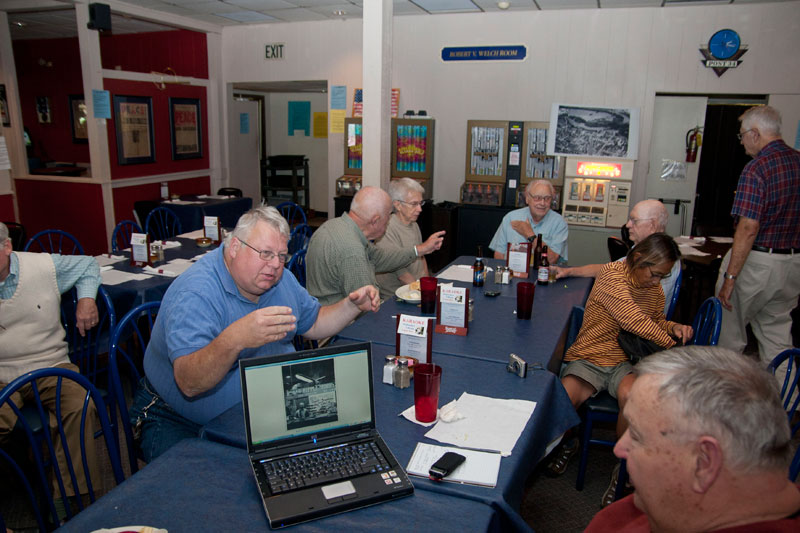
121	237
162	223
54	241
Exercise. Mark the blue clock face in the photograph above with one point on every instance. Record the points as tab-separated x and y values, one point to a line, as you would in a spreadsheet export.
724	44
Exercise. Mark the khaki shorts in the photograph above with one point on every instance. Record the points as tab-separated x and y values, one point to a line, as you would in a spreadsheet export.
600	377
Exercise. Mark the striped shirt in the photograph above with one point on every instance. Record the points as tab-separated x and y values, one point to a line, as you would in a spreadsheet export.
618	302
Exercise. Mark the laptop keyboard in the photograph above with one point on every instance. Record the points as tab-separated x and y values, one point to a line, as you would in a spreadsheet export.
324	466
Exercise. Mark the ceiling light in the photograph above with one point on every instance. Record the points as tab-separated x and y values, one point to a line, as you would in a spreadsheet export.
503	5
340	12
19	24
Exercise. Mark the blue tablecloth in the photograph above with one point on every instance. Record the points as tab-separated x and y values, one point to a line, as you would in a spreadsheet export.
495	330
204	486
191	215
553	415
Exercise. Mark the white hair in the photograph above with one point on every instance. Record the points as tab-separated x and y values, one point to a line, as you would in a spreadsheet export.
264	213
765	118
399	189
534	183
3	234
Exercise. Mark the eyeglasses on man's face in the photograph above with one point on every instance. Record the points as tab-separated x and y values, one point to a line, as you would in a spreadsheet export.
635	221
538	198
743	133
414	204
268	255
658	275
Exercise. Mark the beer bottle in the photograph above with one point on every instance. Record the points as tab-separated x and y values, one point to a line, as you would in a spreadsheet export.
543	277
478	270
537	254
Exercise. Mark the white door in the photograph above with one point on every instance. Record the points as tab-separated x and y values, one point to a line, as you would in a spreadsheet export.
673	117
245	168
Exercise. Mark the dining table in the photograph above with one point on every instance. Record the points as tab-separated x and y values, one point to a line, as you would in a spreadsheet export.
191	209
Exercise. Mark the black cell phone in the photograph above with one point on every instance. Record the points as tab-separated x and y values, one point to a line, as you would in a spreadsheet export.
491	294
445	465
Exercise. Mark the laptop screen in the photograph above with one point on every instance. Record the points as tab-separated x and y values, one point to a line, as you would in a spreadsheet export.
307	394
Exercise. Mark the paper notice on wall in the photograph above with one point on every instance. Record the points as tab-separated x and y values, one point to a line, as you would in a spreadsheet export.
320	125
673	170
337	120
5	162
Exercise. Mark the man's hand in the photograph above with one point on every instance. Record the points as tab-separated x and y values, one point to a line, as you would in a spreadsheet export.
725	293
523	227
86	315
262	326
367	298
433	243
683	333
562	272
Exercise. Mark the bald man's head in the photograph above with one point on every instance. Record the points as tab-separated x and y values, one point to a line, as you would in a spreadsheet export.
647	217
371	209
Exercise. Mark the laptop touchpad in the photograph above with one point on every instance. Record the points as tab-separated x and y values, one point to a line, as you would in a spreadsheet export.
338	490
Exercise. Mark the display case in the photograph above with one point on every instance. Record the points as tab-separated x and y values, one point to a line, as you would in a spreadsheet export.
412	148
536	164
348	185
486	151
478	193
352	147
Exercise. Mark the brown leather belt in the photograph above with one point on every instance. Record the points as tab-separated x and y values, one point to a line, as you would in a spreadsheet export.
782	251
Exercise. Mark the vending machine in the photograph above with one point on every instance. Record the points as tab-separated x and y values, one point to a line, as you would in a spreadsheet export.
597	191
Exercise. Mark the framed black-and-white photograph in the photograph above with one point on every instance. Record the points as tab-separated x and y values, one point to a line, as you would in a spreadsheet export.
184	119
594	131
133	116
77	117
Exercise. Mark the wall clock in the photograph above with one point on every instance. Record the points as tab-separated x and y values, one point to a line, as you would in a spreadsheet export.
724	44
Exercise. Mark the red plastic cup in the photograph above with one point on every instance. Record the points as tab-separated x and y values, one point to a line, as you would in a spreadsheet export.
427	381
427	286
525	292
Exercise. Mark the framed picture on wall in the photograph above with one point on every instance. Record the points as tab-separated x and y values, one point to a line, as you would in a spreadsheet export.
133	116
43	110
77	117
184	121
594	131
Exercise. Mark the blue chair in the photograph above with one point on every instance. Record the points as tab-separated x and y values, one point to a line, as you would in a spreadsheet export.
87	352
125	358
293	213
44	456
162	223
790	393
11	466
54	241
707	323
121	237
676	291
301	234
297	266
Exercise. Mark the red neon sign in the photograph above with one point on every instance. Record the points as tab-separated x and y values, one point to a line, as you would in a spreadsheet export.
591	169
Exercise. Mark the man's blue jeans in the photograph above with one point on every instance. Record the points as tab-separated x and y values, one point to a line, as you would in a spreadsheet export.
161	426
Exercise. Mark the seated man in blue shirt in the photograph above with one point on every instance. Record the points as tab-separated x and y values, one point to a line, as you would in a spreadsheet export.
236	302
527	222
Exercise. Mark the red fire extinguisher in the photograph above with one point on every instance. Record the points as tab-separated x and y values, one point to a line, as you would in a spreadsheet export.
693	141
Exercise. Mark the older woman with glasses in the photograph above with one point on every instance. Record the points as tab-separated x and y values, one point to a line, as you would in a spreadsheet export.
626	296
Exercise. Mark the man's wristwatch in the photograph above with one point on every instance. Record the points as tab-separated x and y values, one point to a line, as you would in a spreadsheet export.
728	276
532	238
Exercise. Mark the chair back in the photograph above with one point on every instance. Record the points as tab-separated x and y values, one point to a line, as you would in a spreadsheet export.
301	234
121	237
790	389
676	291
87	352
8	464
293	213
141	209
707	323
230	191
45	460
297	266
162	223
17	234
54	241
617	248
125	359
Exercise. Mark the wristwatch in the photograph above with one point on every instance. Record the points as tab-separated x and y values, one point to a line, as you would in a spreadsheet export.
728	276
532	238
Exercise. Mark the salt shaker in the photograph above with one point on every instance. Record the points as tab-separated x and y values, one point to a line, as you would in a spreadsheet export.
388	369
402	375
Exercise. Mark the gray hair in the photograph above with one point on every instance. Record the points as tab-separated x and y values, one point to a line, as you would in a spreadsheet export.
3	234
264	213
399	189
765	118
717	392
534	183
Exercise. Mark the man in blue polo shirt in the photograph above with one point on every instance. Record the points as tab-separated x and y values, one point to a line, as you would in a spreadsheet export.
236	302
527	222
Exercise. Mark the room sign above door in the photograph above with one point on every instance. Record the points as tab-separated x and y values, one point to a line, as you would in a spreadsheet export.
484	53
724	51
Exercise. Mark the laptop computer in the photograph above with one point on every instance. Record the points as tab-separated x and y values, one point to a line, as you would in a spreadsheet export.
311	437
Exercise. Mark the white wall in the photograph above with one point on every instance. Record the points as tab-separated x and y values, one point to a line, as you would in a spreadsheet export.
315	149
606	57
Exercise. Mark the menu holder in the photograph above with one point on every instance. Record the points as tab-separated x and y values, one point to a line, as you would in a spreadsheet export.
140	249
518	259
211	229
452	310
414	337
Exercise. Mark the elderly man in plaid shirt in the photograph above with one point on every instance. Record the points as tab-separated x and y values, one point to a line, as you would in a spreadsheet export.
759	280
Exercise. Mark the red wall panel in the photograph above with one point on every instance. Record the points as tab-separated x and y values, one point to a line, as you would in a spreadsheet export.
7	208
124	197
183	51
76	208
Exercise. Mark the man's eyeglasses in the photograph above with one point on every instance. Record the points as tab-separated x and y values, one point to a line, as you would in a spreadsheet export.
635	221
414	204
268	255
658	275
538	198
743	133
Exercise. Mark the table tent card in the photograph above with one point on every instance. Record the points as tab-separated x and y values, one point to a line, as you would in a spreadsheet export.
414	337
140	249
452	310
518	259
211	229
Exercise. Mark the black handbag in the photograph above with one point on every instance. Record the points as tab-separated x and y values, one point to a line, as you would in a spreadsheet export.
635	347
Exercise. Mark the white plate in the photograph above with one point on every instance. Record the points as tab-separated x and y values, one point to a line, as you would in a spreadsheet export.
405	293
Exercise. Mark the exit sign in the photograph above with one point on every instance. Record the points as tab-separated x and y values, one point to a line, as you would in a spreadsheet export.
274	51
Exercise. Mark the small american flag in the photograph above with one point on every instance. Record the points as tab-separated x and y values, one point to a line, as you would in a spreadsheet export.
358	102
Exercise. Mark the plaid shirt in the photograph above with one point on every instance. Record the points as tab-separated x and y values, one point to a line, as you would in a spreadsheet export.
769	192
